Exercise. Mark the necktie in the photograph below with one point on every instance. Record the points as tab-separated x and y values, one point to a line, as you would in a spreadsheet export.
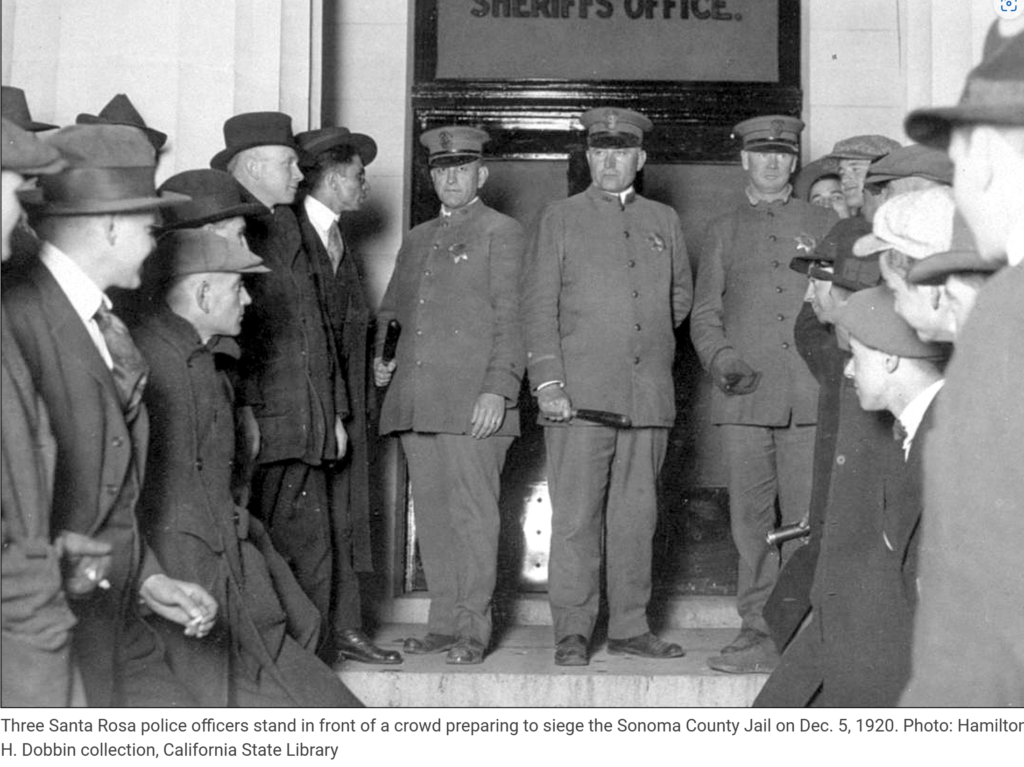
899	432
130	369
335	247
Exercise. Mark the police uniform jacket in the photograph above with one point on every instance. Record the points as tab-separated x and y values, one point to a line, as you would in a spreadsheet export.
192	523
455	291
100	462
746	303
605	285
37	620
290	374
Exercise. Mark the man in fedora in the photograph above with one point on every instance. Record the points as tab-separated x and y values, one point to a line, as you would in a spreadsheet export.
292	392
121	111
765	400
96	219
454	387
606	284
218	204
262	652
14	107
335	184
968	638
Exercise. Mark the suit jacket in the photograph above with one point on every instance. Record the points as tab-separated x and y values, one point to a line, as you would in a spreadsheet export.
191	522
100	461
455	289
746	302
37	620
289	368
350	319
605	286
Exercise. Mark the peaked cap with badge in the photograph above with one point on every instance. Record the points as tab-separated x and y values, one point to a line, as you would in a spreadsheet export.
452	145
313	142
110	170
14	107
870	317
215	196
770	133
120	111
993	94
253	129
614	127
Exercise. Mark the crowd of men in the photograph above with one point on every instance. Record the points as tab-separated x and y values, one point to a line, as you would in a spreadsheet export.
189	404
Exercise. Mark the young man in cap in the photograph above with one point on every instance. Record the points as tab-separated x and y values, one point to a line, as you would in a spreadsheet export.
454	387
960	274
911	168
97	219
292	392
765	399
262	652
854	156
968	638
37	621
908	228
335	182
607	282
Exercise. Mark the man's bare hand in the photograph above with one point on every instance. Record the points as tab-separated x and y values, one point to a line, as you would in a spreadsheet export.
554	403
488	415
86	562
382	372
187	604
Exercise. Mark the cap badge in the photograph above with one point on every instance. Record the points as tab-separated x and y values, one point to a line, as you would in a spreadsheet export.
805	243
612	120
776	127
446	140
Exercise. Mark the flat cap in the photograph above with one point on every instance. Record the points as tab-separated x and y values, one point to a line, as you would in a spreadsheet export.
913	160
993	94
936	268
121	111
216	195
198	251
313	142
24	153
916	223
836	249
454	145
614	127
770	133
870	317
869	147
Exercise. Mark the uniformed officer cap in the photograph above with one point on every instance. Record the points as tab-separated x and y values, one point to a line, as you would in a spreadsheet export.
770	133
614	127
454	145
869	147
870	317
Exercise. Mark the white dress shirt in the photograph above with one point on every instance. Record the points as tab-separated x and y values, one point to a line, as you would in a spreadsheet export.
913	413
85	296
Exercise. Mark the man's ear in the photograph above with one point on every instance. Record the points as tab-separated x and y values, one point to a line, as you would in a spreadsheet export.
110	229
745	160
936	296
641	160
482	173
253	166
202	295
892	362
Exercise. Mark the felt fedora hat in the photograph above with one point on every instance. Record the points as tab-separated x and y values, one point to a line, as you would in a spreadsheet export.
120	111
23	152
252	129
110	170
313	142
215	196
14	107
993	94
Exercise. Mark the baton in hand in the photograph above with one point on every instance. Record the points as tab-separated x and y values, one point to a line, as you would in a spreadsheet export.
391	341
603	417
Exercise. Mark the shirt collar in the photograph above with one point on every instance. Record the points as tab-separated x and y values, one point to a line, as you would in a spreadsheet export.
319	214
756	196
85	295
1015	244
913	413
624	198
447	212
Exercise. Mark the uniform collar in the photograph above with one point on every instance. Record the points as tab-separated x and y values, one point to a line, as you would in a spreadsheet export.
623	198
465	210
755	197
185	338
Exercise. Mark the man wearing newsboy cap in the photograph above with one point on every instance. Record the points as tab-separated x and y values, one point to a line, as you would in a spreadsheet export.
96	219
968	641
292	394
765	400
605	286
262	653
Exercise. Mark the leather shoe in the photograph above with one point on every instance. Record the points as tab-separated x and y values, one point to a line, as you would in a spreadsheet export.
466	652
428	644
353	644
572	651
761	658
746	639
645	646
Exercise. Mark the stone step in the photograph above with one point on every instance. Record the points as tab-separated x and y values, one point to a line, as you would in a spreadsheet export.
675	612
520	672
